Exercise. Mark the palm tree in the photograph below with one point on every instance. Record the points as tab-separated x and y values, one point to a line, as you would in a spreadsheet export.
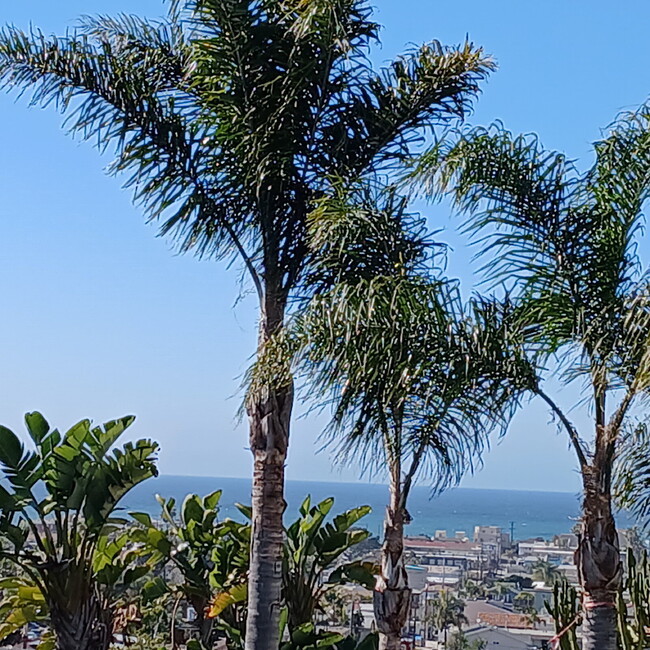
546	572
230	119
447	610
416	382
458	641
57	524
524	602
471	589
500	590
565	245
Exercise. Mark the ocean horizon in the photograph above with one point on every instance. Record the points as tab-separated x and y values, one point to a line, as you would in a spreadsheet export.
529	513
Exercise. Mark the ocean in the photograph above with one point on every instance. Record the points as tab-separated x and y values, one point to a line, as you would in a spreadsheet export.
530	514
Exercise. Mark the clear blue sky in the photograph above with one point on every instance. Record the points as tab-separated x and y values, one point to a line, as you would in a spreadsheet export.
100	318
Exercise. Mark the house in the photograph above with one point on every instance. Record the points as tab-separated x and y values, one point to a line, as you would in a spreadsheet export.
533	550
445	552
475	608
500	639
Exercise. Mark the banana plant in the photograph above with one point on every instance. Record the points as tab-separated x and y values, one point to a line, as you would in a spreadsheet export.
313	549
212	557
22	603
306	637
57	505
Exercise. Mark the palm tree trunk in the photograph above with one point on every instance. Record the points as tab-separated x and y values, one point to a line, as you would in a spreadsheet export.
269	414
392	596
599	564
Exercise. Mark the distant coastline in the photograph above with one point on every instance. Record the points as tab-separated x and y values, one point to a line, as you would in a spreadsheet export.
530	514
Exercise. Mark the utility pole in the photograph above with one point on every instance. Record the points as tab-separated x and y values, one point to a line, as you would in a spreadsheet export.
426	615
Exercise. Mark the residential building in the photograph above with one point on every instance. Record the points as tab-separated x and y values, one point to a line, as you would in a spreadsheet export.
496	638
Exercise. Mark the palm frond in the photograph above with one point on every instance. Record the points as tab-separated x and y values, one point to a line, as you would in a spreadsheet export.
565	244
414	378
563	241
230	119
427	87
512	188
362	231
632	474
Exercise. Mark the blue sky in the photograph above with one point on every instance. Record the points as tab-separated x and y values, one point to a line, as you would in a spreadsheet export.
101	318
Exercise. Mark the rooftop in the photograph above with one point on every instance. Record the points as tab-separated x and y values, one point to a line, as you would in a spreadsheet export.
441	544
505	619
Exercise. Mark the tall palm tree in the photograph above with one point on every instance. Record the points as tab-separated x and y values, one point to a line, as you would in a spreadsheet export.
230	119
565	244
416	382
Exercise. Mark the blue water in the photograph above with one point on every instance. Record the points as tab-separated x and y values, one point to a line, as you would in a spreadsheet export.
535	514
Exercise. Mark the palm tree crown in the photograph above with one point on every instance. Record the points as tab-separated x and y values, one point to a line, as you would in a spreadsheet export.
230	119
565	244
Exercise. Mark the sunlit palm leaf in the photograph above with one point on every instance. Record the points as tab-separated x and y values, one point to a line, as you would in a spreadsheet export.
565	241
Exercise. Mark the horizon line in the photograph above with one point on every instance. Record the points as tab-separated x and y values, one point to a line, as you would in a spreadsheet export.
360	482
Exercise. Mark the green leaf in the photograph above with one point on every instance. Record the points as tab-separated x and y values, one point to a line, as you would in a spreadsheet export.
247	511
158	540
284	620
11	449
211	501
7	500
37	426
134	574
77	436
223	600
305	637
195	644
142	518
105	436
362	573
49	643
305	506
154	589
22	603
192	509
